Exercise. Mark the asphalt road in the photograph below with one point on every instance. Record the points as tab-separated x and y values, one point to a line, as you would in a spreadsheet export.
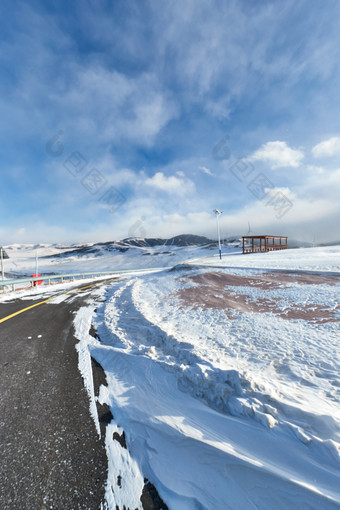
51	456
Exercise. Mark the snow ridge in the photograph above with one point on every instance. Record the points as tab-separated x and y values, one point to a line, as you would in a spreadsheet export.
267	415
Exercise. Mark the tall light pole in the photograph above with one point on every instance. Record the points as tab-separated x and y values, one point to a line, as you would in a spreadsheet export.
218	214
2	264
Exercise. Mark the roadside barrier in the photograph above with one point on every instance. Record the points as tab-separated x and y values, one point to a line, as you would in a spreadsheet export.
62	278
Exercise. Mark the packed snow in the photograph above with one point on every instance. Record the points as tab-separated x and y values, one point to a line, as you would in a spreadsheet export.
225	380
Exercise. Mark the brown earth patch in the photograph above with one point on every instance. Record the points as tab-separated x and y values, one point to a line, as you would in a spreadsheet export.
211	293
305	278
266	280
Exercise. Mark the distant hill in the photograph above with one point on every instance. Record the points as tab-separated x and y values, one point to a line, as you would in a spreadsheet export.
147	243
334	243
141	242
181	240
99	249
189	240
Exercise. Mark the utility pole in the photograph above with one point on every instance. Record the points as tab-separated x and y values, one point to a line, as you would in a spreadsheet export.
2	264
218	214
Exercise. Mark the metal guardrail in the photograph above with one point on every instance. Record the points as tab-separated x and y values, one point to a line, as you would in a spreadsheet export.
72	276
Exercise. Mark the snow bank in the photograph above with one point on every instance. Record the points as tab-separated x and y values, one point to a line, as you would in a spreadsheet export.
221	409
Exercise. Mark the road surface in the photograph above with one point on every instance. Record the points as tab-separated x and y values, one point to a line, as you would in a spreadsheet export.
51	456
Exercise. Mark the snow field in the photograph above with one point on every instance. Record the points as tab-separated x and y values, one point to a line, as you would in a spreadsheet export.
52	260
320	258
229	395
220	411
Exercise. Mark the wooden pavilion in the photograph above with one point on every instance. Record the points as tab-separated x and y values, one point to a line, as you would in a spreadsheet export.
254	244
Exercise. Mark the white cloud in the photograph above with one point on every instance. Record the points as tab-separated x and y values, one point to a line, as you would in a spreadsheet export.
316	169
200	217
286	192
173	218
172	184
115	106
278	154
20	232
327	148
205	170
304	218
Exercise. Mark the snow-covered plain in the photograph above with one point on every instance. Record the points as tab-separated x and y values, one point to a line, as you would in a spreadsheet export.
320	258
59	259
225	381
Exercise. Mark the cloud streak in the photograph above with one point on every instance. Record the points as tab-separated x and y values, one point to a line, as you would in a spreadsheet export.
171	185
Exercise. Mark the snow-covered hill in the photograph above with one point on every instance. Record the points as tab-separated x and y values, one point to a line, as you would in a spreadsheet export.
125	254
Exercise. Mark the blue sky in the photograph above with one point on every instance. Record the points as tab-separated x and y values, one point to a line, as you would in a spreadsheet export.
137	118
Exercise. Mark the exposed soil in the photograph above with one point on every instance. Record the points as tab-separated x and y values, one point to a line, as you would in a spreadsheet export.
211	291
264	281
